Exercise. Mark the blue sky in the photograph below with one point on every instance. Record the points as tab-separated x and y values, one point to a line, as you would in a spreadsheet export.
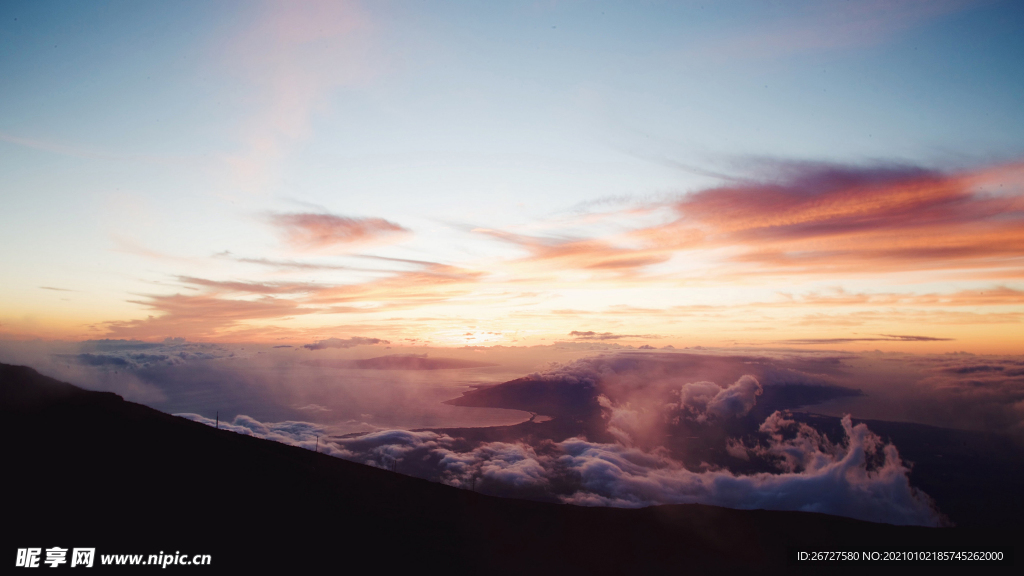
143	143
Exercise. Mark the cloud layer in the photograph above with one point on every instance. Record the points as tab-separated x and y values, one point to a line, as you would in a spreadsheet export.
836	479
136	354
637	396
859	477
301	434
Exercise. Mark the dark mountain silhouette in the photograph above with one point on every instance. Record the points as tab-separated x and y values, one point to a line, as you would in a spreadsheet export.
88	469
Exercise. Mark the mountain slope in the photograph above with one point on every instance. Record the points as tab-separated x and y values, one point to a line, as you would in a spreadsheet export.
88	469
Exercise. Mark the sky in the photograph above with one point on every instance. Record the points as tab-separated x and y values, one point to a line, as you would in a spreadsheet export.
818	175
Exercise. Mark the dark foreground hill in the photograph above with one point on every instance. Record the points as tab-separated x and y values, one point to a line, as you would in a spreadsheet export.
87	469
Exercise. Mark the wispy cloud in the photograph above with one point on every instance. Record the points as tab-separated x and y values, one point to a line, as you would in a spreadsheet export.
295	54
344	343
224	308
201	316
591	335
320	231
585	254
292	265
252	287
880	338
994	296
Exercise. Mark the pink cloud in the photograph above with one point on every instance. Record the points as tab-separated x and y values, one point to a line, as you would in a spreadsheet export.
318	231
816	218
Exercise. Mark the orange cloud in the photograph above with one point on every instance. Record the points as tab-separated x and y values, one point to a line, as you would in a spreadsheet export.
435	283
201	316
580	253
814	219
829	219
997	296
225	308
879	338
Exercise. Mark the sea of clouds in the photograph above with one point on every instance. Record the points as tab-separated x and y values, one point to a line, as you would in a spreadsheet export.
859	476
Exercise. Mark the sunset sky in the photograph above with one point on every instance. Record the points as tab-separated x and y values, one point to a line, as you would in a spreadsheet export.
822	175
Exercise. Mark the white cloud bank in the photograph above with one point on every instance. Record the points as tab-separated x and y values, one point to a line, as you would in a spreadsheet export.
858	477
